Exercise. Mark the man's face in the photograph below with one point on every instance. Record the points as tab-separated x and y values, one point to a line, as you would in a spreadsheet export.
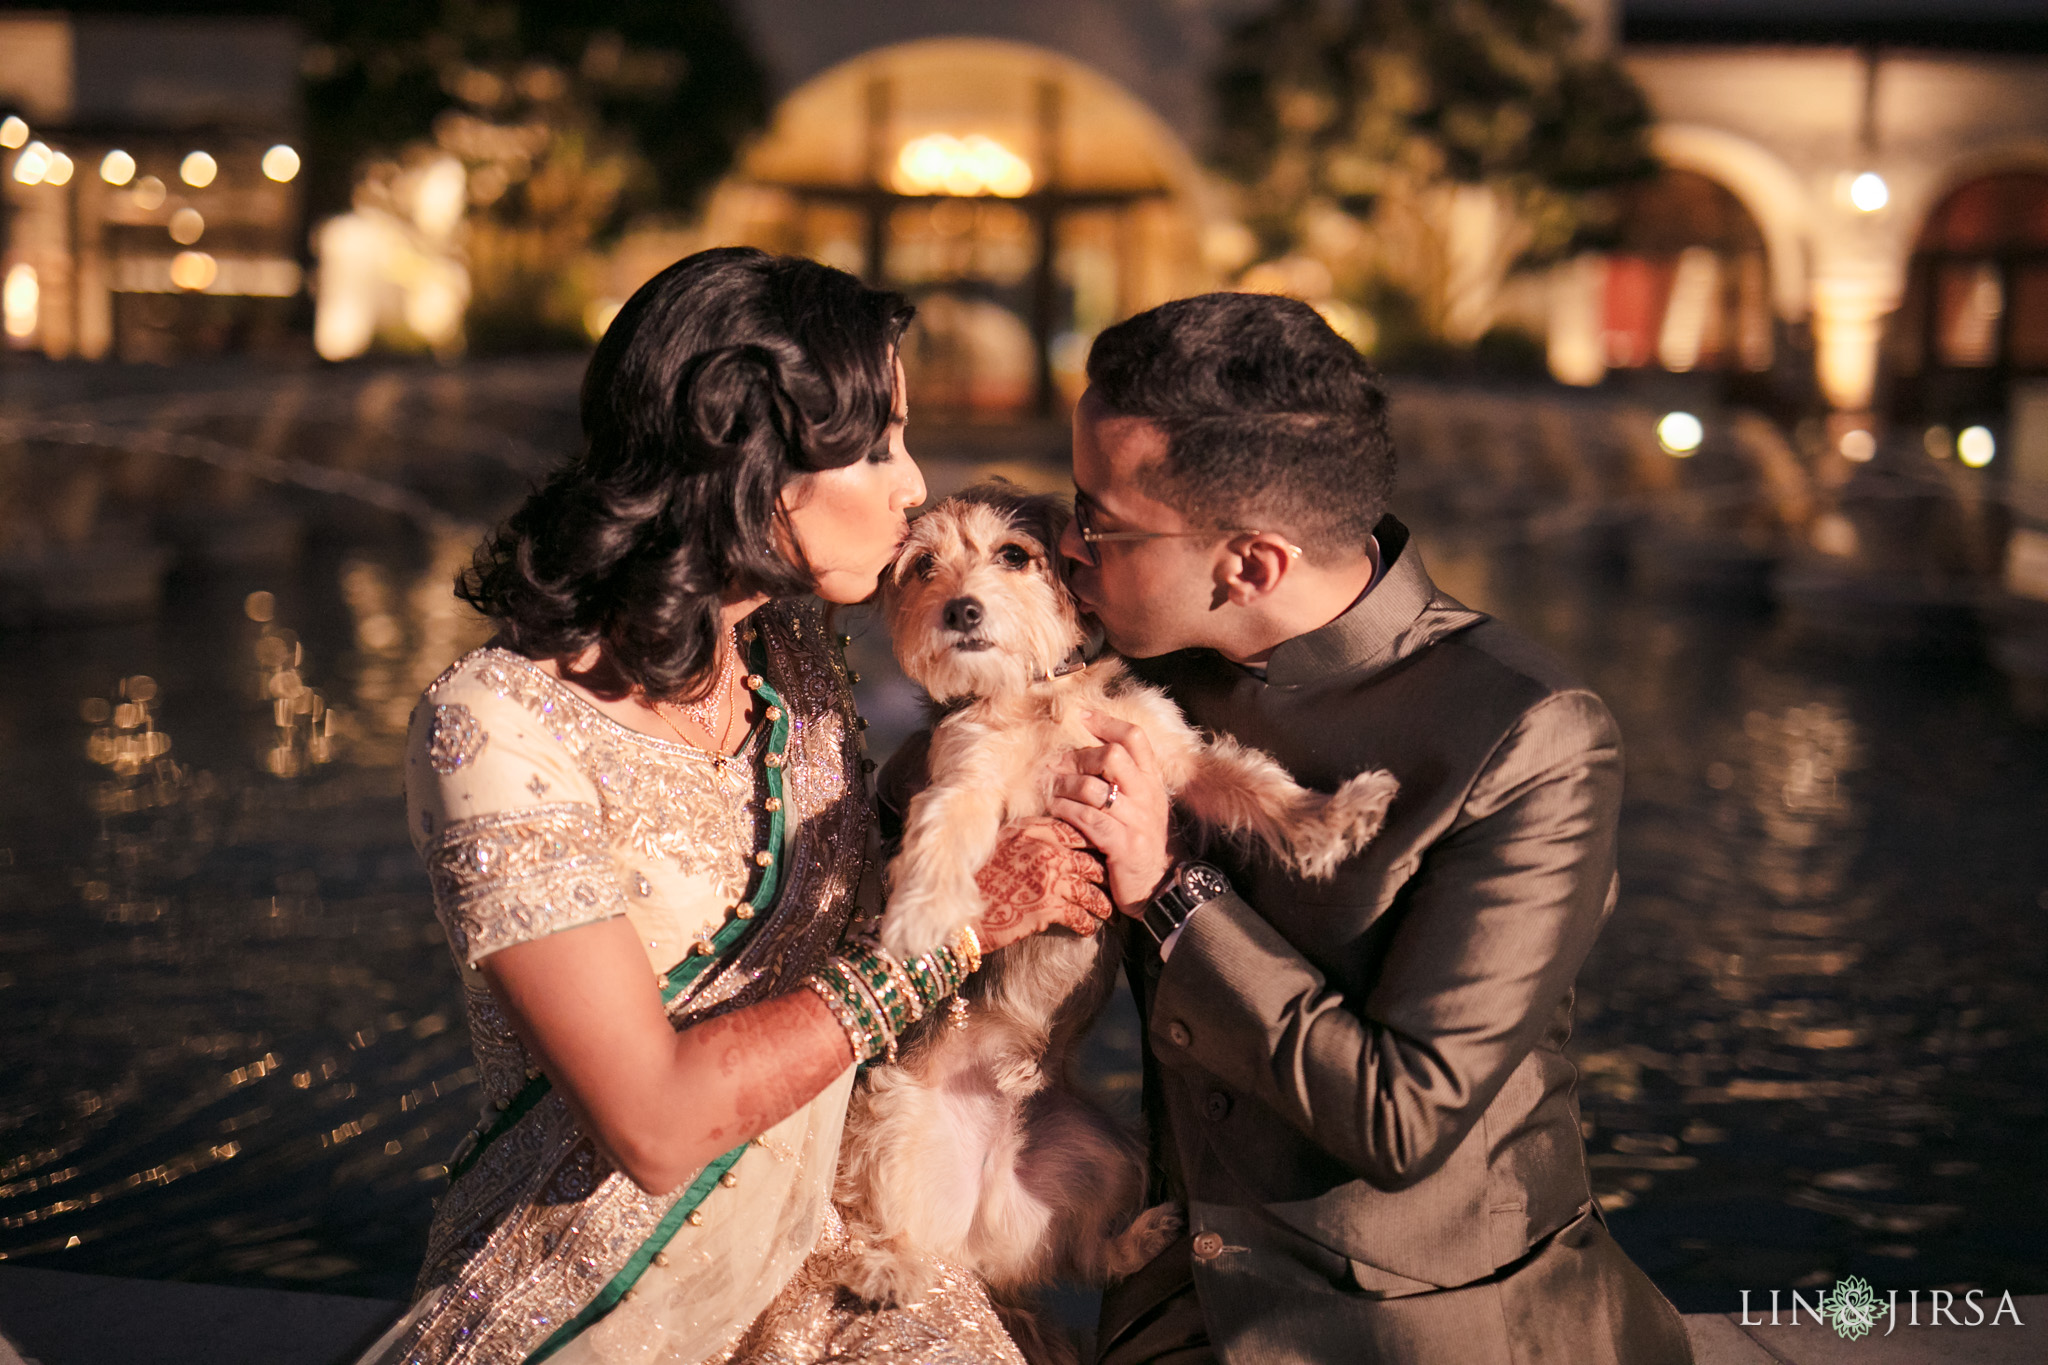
1151	596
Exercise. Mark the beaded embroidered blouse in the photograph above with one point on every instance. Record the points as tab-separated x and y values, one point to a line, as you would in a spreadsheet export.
536	813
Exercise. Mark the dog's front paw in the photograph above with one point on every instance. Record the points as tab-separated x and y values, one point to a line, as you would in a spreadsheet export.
1346	823
1019	1077
1150	1233
884	1274
917	923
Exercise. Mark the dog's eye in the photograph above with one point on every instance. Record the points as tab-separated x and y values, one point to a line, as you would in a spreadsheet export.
924	566
1014	557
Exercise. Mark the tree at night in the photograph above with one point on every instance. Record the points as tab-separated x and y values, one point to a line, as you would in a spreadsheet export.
568	121
1420	150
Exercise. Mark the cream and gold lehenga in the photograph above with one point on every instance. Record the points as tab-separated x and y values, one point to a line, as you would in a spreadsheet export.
535	813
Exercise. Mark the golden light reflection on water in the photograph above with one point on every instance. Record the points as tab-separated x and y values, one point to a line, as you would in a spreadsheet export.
406	632
270	1026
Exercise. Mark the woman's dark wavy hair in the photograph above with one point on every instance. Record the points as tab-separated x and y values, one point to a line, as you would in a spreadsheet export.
726	376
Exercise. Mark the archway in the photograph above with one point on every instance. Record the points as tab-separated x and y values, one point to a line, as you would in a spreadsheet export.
1688	283
1977	286
1684	286
1020	193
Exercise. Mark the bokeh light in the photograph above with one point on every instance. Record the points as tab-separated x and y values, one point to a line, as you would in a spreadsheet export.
1857	445
280	163
1680	433
193	270
939	163
198	170
117	167
1975	446
33	164
149	194
22	301
1869	193
60	170
13	132
187	226
1938	441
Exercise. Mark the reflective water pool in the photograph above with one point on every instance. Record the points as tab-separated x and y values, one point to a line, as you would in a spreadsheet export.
1811	1040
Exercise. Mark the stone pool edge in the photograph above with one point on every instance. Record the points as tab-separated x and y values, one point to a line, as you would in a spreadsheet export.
60	1317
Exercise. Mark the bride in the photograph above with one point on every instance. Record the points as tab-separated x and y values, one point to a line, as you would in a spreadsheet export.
644	812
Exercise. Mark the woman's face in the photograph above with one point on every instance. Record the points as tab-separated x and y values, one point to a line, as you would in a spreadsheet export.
849	521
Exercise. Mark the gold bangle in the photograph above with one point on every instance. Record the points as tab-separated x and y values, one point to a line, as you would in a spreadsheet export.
862	1042
968	945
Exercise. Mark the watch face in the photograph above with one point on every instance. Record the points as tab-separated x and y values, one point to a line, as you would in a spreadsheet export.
1202	882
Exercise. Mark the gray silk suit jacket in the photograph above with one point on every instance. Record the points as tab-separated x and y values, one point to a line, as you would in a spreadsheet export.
1359	1086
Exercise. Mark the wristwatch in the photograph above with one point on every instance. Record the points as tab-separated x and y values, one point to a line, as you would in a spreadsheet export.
1190	884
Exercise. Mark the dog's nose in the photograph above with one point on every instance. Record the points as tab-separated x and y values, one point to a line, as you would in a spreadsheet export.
963	614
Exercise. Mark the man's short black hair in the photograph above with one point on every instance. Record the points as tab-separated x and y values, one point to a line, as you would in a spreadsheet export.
1272	420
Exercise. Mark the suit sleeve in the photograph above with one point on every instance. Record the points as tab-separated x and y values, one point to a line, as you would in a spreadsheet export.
1493	929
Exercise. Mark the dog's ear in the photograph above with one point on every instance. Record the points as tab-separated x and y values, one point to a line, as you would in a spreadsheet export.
1044	517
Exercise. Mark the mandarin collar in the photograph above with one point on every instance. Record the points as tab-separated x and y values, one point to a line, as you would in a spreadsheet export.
1377	628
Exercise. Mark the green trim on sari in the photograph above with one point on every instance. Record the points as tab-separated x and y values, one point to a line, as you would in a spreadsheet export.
636	1265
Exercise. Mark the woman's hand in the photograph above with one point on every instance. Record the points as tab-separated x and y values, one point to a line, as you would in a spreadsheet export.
1113	794
1041	874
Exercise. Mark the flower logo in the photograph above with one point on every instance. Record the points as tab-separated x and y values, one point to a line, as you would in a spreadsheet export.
1851	1307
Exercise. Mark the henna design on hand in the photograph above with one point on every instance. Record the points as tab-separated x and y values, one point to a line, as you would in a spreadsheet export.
1041	874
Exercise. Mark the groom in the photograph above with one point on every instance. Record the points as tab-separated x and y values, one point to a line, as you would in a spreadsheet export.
1358	1087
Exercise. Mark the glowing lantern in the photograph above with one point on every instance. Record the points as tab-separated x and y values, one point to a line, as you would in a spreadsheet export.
939	163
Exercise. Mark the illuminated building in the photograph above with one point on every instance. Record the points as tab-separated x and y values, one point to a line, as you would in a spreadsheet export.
149	192
1802	178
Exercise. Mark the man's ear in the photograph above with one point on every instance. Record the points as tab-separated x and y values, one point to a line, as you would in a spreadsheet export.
1254	567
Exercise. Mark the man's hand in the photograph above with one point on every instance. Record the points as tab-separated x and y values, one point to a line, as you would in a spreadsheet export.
1113	794
1040	875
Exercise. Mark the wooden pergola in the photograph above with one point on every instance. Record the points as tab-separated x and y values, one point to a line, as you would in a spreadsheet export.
1045	204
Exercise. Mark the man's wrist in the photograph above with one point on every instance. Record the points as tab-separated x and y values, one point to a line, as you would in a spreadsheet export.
1188	887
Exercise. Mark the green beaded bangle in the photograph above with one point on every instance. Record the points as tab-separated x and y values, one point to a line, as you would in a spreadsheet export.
933	983
865	1003
875	975
904	985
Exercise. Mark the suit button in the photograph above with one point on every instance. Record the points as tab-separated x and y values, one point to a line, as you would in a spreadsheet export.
1217	1106
1208	1246
1178	1032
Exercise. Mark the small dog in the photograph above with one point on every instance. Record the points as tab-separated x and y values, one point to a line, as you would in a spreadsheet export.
977	1148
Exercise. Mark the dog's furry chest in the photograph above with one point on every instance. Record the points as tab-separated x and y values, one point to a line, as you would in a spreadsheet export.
1016	741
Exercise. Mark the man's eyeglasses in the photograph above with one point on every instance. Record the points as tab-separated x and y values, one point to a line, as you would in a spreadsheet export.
1084	524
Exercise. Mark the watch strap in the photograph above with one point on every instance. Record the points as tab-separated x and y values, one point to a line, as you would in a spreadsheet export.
1193	884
